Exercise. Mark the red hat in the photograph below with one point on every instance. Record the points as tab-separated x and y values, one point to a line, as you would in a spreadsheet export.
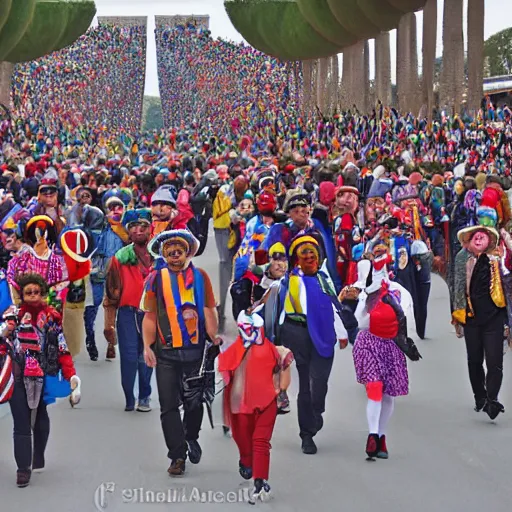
266	202
383	321
490	197
415	178
289	168
327	193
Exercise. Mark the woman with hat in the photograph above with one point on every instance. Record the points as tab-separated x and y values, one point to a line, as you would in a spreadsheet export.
180	316
480	313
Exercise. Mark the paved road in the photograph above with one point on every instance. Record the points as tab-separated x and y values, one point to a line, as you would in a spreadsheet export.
443	456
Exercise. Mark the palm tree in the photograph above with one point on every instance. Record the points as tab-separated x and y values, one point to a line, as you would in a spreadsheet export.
429	54
407	63
452	73
476	16
383	68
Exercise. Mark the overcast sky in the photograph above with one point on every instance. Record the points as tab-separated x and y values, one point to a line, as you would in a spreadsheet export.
498	16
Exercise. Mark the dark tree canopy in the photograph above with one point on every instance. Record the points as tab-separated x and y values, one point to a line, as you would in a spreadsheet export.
498	53
152	117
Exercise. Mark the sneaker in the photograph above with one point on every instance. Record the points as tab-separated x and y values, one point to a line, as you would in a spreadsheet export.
283	403
177	468
383	449
143	405
245	472
493	408
308	445
23	478
260	492
129	408
194	452
76	394
227	431
372	446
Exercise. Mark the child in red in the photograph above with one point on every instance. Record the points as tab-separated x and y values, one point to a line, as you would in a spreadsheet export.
256	373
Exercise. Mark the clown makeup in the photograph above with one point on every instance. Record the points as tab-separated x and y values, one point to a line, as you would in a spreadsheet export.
115	212
9	240
300	216
246	208
374	207
175	254
308	258
346	202
479	242
162	211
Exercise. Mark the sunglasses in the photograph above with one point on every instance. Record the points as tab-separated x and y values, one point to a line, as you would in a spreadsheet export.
279	256
48	191
31	293
113	207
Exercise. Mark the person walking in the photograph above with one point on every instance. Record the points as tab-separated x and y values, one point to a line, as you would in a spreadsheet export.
123	290
180	317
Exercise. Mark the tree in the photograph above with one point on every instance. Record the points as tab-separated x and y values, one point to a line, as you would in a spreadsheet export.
30	29
152	114
498	53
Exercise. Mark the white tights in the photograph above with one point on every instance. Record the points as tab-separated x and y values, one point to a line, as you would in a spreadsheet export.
379	413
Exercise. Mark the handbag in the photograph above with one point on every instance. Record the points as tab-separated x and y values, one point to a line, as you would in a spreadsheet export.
55	387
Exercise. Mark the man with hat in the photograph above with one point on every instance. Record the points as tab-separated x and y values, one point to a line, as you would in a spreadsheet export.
480	312
164	212
180	318
309	324
123	290
48	199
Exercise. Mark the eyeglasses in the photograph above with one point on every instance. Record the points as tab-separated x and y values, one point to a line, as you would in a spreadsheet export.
32	293
279	256
85	195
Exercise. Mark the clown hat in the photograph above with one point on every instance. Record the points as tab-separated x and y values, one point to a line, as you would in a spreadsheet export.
465	235
45	225
140	215
180	236
302	241
117	195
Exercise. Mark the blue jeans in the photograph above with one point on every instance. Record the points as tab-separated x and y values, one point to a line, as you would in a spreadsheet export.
129	339
90	314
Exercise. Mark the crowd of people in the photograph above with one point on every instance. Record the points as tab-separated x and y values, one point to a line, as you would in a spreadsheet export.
327	231
216	83
99	80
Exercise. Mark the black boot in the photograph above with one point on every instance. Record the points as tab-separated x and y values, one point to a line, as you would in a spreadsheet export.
308	445
92	349
245	472
480	404
194	452
493	408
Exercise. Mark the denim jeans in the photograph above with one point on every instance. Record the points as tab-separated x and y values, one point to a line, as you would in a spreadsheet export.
22	419
90	314
131	348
